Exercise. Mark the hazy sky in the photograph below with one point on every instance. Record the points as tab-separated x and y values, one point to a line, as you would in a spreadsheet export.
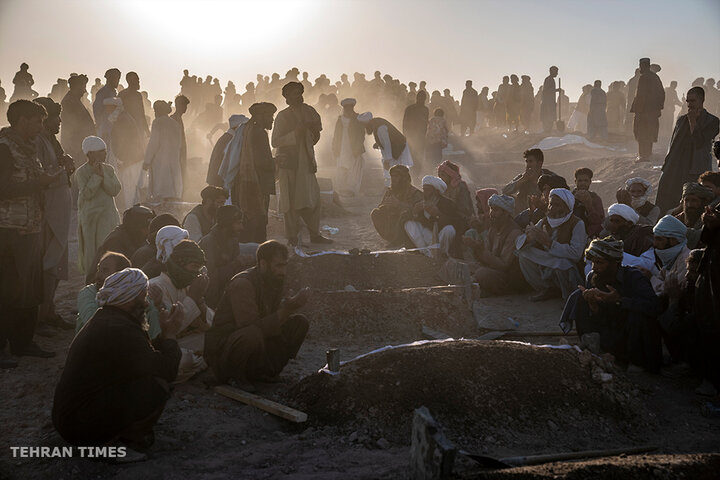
444	42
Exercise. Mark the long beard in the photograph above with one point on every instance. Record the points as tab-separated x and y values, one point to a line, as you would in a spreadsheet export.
692	215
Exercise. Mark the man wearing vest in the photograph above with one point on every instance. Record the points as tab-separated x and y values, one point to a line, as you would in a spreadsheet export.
201	218
392	144
549	251
255	331
22	182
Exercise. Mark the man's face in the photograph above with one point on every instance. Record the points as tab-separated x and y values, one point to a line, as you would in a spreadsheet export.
692	205
693	271
113	80
582	182
52	124
663	243
181	107
532	163
444	177
711	220
636	190
194	267
237	227
430	193
694	103
274	270
294	97
349	110
29	127
214	204
617	224
133	82
96	157
599	265
105	268
711	186
554	72
398	181
545	192
139	304
557	208
498	216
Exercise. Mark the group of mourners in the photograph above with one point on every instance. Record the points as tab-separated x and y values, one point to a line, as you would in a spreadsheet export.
167	298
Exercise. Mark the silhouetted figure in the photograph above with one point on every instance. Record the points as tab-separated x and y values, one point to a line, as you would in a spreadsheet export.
631	91
388	139
181	106
415	122
527	102
597	124
548	107
468	109
109	90
77	123
23	82
133	102
162	156
348	147
436	138
578	119
513	102
667	119
220	150
647	106
616	107
58	91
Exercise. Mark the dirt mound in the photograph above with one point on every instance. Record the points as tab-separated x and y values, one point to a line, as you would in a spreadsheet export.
395	316
489	396
362	272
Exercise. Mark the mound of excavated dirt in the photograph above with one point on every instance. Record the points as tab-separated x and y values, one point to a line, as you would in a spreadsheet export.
363	272
395	316
501	397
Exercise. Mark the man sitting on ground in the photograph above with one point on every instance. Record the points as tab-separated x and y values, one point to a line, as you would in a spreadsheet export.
549	251
255	330
671	252
457	189
396	207
694	199
538	204
436	212
497	269
525	183
115	382
590	200
637	239
711	180
201	218
87	304
619	305
145	256
222	251
636	193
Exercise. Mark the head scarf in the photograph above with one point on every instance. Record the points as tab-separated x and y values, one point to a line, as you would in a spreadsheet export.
167	239
624	211
694	188
122	287
569	199
347	101
606	248
162	220
365	117
236	120
290	86
185	252
435	182
482	196
452	171
639	201
93	144
670	227
506	202
262	108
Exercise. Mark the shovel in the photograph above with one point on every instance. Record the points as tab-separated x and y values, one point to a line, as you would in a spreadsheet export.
560	125
510	462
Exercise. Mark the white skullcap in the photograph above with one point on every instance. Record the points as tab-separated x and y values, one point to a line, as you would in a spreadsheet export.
348	101
565	195
167	239
641	181
237	120
435	182
93	144
365	117
113	101
122	287
624	211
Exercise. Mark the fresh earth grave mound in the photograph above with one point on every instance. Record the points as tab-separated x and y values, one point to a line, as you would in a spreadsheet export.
394	316
501	397
363	272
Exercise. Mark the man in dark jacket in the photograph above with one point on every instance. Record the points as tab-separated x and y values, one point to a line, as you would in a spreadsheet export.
647	106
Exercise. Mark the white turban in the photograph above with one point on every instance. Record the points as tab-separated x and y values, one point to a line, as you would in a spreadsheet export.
565	195
348	101
113	101
93	144
122	287
624	211
435	182
365	117
237	120
641	181
166	239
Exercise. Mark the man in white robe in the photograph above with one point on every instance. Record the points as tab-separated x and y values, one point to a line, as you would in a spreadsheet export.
162	156
392	144
348	148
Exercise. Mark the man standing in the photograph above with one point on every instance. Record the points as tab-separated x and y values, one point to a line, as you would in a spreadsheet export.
56	212
297	130
647	106
689	153
221	148
597	123
22	181
667	119
76	120
549	252
181	106
109	90
201	218
133	102
396	208
255	179
348	148
415	125
468	109
255	331
548	107
163	155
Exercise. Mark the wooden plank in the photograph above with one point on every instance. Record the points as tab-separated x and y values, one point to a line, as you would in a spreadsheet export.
257	401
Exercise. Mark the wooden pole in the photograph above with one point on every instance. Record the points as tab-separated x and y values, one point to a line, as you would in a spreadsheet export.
257	401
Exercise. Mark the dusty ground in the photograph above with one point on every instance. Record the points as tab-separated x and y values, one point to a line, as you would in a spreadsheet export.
509	391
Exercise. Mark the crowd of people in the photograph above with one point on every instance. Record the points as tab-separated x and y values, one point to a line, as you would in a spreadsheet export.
167	297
